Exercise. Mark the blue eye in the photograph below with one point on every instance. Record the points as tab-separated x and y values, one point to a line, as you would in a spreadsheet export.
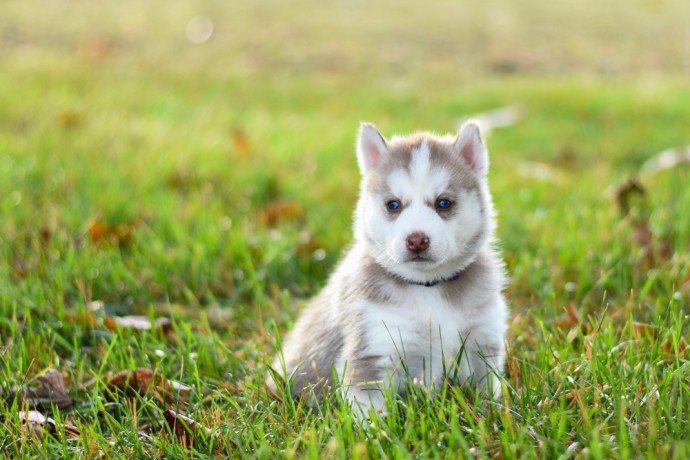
393	205
444	203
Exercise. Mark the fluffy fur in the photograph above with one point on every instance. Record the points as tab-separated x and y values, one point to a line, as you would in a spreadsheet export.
418	295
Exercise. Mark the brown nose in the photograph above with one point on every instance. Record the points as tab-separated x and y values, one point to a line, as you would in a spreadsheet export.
417	242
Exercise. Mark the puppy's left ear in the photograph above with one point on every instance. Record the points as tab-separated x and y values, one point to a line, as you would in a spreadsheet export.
471	148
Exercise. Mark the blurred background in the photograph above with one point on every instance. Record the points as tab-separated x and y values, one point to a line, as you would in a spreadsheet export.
214	139
396	42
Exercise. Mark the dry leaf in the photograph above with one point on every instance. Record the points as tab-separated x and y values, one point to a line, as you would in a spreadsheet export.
497	118
82	319
588	349
54	384
55	380
41	423
141	381
144	381
643	234
37	421
567	158
180	387
47	390
97	49
121	234
665	249
310	246
669	348
644	330
185	429
21	268
651	249
240	141
666	160
540	171
69	119
653	333
626	191
570	319
45	236
282	211
183	178
513	371
141	323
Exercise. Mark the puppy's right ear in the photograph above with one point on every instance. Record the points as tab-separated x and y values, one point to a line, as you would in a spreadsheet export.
371	146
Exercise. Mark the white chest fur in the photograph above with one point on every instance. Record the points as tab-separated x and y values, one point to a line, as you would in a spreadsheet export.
420	337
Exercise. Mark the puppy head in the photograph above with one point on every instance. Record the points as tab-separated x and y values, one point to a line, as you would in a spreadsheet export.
424	208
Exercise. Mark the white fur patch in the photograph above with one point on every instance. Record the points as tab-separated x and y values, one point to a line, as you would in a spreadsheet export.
423	337
426	336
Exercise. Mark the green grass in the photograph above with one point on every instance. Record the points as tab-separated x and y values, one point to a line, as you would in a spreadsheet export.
223	178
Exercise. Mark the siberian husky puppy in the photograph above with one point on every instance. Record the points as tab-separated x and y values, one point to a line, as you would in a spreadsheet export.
418	295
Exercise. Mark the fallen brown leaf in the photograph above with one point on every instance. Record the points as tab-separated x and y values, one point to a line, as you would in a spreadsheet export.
186	430
97	49
540	171
40	424
652	249
665	249
47	390
666	160
642	234
669	347
141	323
566	158
282	211
54	383
571	318
183	178
626	191
180	387
121	234
82	319
21	268
69	119
588	349
141	381
653	333
144	381
240	141
644	330
513	371
45	235
496	118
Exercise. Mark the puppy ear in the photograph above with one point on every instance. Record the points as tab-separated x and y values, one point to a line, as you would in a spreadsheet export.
470	146
371	146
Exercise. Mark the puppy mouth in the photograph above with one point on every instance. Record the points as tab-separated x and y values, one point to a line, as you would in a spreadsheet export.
419	259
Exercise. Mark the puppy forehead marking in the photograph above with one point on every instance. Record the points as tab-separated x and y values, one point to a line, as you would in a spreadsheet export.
420	161
420	154
420	178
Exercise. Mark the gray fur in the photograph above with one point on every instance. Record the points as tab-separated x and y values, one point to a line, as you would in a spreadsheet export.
314	341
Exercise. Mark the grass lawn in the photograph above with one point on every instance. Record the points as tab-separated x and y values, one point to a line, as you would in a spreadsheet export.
208	189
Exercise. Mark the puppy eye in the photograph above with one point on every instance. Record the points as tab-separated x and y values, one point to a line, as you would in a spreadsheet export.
443	203
393	205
